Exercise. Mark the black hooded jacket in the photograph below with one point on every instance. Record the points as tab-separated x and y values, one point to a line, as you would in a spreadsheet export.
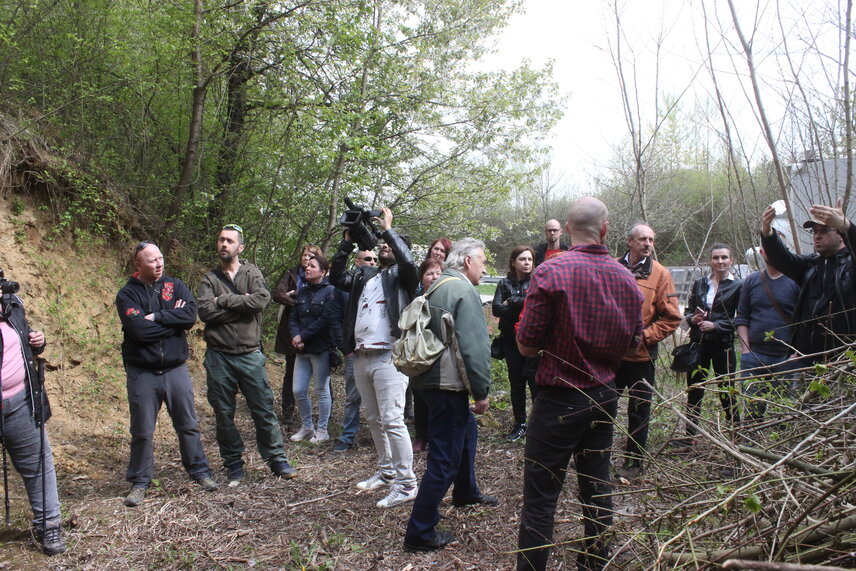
161	344
825	313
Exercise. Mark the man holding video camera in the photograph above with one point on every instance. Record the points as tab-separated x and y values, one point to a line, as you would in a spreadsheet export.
24	412
377	297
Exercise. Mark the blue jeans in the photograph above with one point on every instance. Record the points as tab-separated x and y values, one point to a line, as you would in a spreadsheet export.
228	373
351	420
567	423
452	440
21	437
768	376
307	366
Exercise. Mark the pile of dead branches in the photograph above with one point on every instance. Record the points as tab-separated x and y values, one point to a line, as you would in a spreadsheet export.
775	492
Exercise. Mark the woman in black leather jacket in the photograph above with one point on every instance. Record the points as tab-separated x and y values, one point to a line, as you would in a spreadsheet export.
710	312
507	305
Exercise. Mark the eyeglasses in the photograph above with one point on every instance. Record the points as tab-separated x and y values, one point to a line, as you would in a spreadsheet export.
234	227
142	246
368	258
552	229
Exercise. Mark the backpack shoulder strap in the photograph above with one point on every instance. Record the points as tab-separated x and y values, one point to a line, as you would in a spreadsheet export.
435	286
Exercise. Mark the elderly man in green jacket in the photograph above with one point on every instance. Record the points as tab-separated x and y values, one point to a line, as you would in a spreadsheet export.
461	371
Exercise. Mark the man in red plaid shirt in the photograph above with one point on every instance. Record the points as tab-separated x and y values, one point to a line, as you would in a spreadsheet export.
582	314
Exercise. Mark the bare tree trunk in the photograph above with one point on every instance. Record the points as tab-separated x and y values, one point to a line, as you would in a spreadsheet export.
765	124
240	74
188	164
848	112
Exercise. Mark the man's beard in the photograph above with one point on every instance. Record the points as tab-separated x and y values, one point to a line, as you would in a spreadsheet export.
226	257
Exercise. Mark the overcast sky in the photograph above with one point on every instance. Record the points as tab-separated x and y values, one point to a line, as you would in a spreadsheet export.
577	36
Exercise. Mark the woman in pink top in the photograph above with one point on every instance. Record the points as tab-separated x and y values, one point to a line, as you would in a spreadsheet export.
24	412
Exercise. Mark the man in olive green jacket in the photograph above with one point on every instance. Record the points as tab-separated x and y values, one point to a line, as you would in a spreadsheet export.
231	299
462	370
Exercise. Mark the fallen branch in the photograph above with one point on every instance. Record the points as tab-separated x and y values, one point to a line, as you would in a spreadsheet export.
774	566
805	536
318	499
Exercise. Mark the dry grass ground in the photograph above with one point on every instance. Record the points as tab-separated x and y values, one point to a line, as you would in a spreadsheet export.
320	520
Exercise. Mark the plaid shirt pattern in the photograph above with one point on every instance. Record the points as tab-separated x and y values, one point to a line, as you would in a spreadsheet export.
584	311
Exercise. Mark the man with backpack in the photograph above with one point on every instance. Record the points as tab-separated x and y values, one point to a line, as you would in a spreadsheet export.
376	298
460	371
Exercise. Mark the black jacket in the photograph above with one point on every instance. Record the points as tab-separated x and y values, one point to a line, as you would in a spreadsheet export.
721	313
514	292
317	317
161	344
13	310
825	313
280	295
541	251
399	283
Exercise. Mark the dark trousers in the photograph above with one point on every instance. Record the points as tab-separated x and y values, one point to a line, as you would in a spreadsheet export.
452	440
288	402
147	391
721	359
630	376
517	382
420	416
567	423
227	374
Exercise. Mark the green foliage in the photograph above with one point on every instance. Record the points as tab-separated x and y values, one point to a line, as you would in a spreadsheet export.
752	503
820	387
174	556
309	557
302	104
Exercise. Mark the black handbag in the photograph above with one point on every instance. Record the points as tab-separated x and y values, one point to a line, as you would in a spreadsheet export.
686	357
496	350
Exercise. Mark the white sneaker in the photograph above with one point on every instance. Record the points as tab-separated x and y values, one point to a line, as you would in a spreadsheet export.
397	495
320	436
375	482
303	434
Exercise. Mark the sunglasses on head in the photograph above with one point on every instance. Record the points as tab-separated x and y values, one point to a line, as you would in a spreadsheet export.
142	246
234	227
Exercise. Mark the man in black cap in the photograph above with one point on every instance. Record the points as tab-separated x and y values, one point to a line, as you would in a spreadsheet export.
825	313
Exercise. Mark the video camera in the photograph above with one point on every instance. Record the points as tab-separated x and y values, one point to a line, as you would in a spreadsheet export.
358	221
6	286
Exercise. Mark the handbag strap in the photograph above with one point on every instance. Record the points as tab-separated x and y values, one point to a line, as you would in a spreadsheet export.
772	298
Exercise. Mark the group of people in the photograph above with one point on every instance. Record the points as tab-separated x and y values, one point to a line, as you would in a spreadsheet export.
577	327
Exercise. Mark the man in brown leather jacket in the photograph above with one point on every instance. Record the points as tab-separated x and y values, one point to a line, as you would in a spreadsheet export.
660	317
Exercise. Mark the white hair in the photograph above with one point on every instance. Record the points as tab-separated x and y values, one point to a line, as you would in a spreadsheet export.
460	250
